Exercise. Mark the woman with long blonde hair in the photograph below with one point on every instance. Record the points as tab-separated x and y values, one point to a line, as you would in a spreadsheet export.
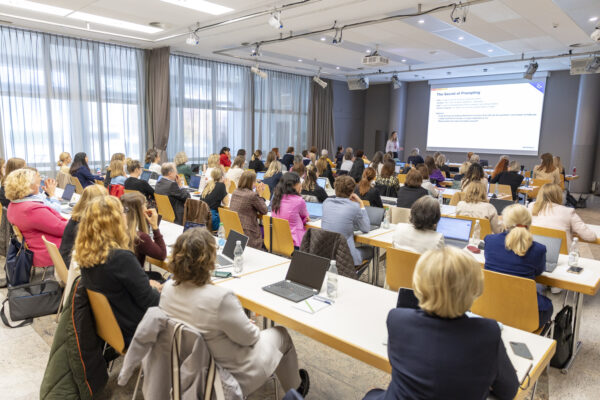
547	171
211	163
273	174
475	205
215	193
103	250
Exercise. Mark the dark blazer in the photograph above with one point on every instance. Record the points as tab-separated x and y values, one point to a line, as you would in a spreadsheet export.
85	177
288	160
512	178
3	200
372	196
446	169
68	241
257	165
408	195
141	186
339	158
177	196
272	181
317	192
437	358
415	160
358	167
326	174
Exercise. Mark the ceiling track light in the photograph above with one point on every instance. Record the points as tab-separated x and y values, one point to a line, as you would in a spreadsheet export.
275	20
531	69
256	71
317	79
255	51
458	15
337	37
192	39
593	65
396	82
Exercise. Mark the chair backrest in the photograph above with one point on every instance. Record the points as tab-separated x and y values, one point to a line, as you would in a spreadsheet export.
62	179
232	187
562	181
456	197
555	233
400	214
107	326
401	178
485	228
159	263
163	204
77	184
509	299
230	220
125	191
527	174
366	203
266	194
283	242
538	183
400	265
502	189
59	264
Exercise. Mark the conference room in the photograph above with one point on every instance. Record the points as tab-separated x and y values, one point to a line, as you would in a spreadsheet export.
321	199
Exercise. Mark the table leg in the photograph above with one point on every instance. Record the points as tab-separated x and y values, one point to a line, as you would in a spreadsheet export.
375	266
576	323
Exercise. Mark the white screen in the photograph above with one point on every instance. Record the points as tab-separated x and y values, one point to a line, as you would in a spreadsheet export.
488	117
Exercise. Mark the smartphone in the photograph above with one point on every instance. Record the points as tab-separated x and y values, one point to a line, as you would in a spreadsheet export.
521	350
221	274
575	270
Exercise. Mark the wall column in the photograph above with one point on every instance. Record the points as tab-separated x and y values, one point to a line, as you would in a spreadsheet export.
398	115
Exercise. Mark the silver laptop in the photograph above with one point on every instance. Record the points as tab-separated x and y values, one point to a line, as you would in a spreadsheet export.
260	176
67	194
315	210
376	215
322	182
552	250
456	231
225	259
304	277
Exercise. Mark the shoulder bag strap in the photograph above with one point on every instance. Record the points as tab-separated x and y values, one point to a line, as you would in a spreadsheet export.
210	379
5	320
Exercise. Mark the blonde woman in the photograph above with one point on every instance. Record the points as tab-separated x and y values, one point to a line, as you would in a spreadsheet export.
475	205
116	174
182	168
558	164
462	171
514	252
211	163
547	171
103	251
215	194
273	175
548	212
446	283
64	159
236	170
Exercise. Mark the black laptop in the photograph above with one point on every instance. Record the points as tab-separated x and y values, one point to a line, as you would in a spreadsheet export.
500	205
376	215
225	259
304	277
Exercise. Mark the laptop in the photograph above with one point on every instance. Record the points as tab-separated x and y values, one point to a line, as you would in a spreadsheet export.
67	194
304	277
195	182
456	231
146	175
315	210
552	250
500	205
376	215
322	182
260	176
225	259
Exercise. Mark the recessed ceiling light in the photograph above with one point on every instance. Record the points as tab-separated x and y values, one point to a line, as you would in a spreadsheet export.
461	38
404	60
201	5
299	60
323	39
490	50
337	67
421	21
33	6
593	19
117	23
367	50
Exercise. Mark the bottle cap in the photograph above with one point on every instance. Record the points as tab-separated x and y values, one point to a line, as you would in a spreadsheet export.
238	242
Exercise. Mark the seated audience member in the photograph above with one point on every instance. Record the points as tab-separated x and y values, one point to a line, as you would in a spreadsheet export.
414	157
548	212
474	173
420	234
387	183
288	204
501	166
305	158
28	212
81	171
277	154
12	164
236	170
170	185
249	204
236	343
70	233
339	157
377	162
300	169
547	171
510	177
241	153
134	169
323	170
215	193
446	282
117	173
310	188
152	161
475	204
273	175
462	171
474	159
426	183
256	163
358	166
109	175
288	157
514	252
64	159
211	163
434	173
366	190
180	161
558	164
440	162
103	250
225	157
138	219
412	189
366	161
346	213
325	154
348	160
469	154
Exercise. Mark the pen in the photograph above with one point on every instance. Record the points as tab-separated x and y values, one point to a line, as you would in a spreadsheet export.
309	306
323	299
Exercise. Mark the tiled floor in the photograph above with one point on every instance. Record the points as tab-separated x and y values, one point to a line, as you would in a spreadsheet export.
24	353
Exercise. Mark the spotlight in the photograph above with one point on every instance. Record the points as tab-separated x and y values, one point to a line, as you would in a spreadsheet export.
531	68
255	51
192	39
317	79
275	20
593	65
255	70
396	82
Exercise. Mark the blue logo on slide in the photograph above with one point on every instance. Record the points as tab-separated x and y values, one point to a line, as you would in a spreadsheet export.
541	86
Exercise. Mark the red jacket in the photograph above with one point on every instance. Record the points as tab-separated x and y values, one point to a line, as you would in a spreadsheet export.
34	219
224	160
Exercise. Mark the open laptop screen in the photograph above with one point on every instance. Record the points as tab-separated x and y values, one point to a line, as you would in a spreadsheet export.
322	182
314	209
307	270
552	248
145	175
260	176
68	192
375	215
454	228
195	181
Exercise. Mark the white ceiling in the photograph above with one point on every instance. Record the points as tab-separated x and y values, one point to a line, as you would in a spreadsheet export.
495	32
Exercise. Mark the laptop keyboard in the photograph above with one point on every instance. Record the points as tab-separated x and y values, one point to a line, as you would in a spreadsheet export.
223	261
289	288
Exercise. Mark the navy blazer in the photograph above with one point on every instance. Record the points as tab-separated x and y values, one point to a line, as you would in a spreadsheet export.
86	178
288	160
438	358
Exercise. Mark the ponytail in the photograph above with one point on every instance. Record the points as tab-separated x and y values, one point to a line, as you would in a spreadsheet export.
518	240
216	174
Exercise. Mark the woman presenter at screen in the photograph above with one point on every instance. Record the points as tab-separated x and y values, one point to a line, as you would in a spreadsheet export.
392	145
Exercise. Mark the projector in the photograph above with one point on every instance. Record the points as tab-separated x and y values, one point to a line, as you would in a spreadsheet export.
375	60
596	34
358	84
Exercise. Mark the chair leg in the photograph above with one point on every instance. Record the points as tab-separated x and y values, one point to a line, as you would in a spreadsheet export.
137	383
275	386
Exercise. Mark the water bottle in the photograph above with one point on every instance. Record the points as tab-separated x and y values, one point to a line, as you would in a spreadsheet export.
441	200
238	257
574	171
496	189
332	280
476	234
386	220
574	253
221	235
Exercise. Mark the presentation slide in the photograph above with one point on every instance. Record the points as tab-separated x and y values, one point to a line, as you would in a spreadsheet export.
500	117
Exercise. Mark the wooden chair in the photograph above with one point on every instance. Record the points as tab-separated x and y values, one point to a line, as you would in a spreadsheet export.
399	268
125	191
401	178
161	264
106	324
555	233
538	183
400	215
60	269
99	182
283	243
485	228
527	174
509	299
503	190
456	197
230	220
77	184
266	194
366	203
164	207
232	187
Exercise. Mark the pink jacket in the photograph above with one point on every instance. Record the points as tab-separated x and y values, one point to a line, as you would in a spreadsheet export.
293	208
564	219
34	219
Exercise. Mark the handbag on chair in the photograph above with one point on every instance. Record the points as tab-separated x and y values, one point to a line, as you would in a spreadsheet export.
19	260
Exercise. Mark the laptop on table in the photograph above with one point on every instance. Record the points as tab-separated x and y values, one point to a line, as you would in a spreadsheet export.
225	259
322	182
146	174
195	182
552	250
376	215
67	194
315	210
260	176
304	277
456	231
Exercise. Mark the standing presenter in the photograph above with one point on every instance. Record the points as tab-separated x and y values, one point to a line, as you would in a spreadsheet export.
392	145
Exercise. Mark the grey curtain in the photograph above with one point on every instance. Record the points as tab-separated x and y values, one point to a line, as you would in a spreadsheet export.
158	104
320	117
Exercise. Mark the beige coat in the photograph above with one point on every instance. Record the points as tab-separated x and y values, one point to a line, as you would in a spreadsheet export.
563	218
481	210
553	176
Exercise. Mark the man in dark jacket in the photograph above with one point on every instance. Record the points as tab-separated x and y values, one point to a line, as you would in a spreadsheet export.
358	166
288	158
170	185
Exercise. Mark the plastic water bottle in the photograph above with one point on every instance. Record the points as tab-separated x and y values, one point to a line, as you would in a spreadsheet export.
385	224
574	253
221	235
476	233
238	257
496	189
332	280
441	200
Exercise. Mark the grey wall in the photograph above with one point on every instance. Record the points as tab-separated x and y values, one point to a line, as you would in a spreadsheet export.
377	111
348	115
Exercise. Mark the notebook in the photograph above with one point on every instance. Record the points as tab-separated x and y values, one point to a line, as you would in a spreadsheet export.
552	250
456	231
